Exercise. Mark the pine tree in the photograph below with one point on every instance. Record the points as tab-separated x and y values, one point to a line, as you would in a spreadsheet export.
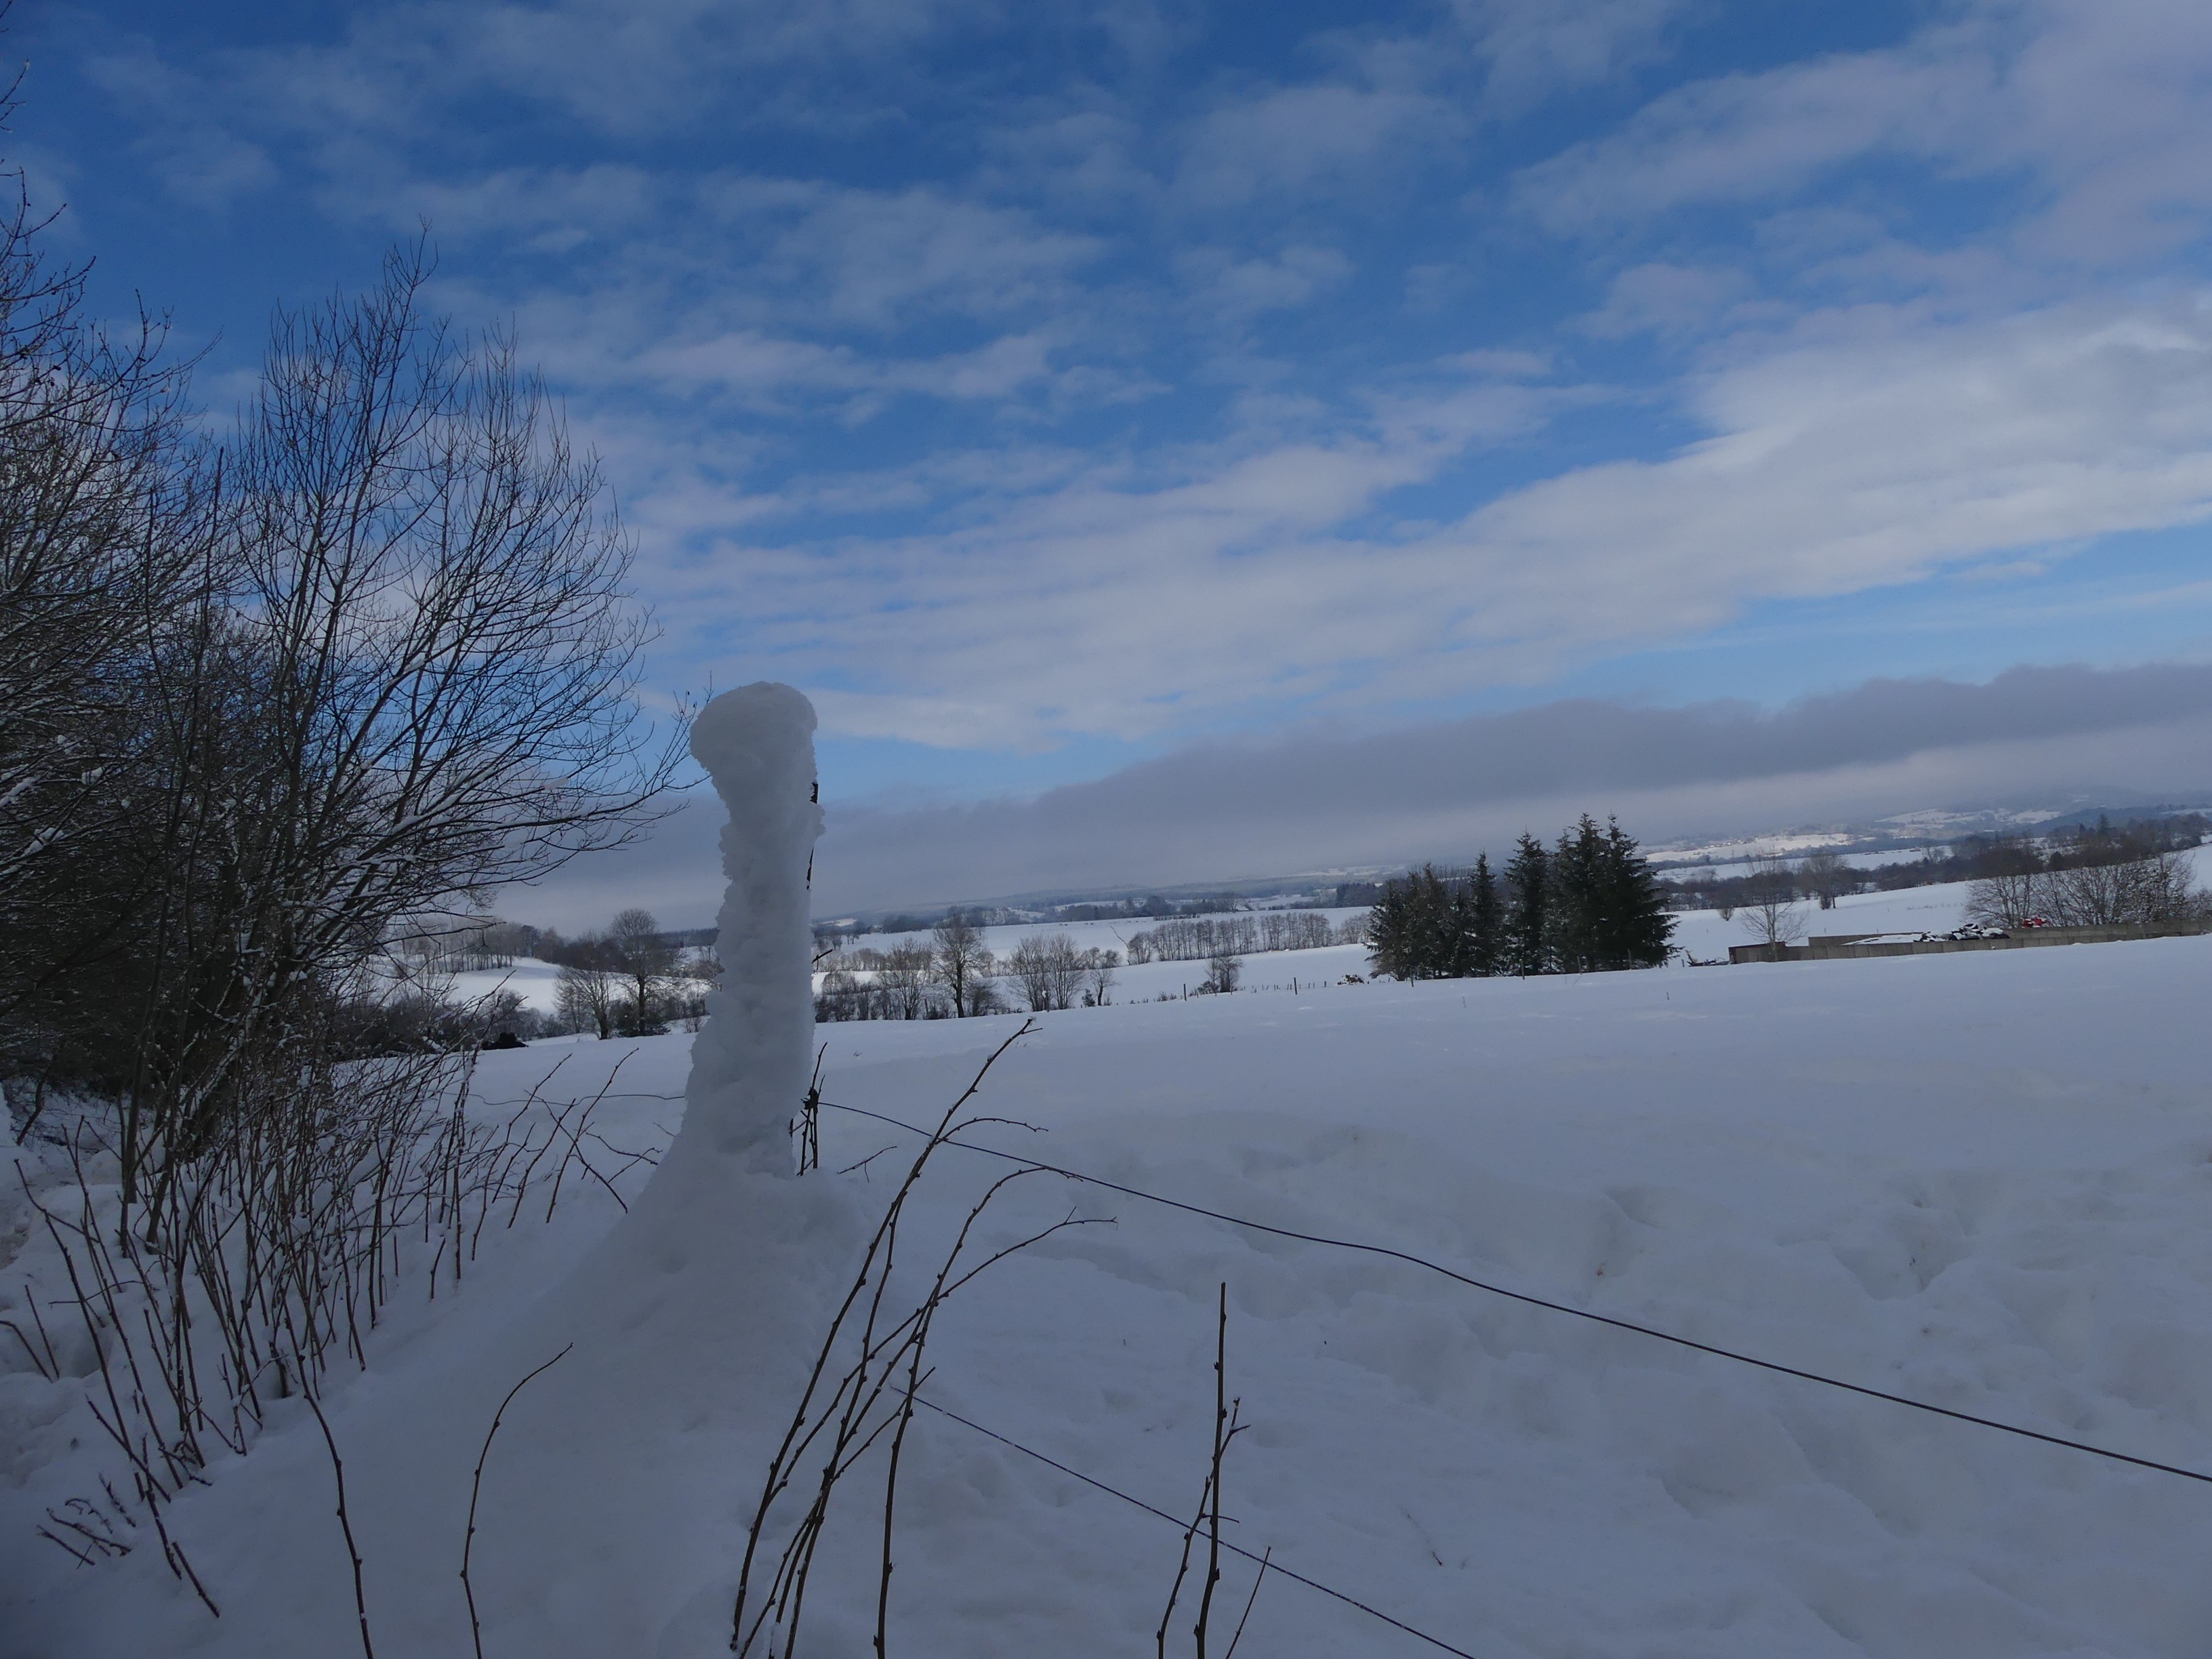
1636	930
1484	920
1575	925
1391	944
1526	933
1436	929
1589	904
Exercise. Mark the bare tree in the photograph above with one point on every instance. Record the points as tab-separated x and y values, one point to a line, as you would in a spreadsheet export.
104	539
1098	966
2006	901
1029	966
1049	970
2092	895
1222	971
646	962
1826	876
2166	890
963	966
587	999
902	982
2142	892
420	687
1770	911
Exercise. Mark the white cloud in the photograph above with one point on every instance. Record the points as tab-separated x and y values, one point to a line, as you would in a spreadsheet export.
187	141
546	210
1536	47
1310	140
1260	547
1875	452
878	256
1665	298
2099	105
1874	449
1237	288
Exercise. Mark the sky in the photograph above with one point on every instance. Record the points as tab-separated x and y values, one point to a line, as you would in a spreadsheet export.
1101	409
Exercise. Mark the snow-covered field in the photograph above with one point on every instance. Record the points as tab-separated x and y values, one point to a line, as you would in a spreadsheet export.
536	983
1982	1180
1702	932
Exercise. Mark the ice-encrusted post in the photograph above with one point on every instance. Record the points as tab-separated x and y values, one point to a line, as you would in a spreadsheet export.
749	1063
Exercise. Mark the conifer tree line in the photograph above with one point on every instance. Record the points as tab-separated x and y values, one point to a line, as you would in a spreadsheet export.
1586	904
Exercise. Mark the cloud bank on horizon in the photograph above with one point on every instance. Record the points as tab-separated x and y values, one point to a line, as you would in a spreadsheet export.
1076	398
1317	800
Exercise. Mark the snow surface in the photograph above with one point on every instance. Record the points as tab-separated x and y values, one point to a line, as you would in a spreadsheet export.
536	983
1984	1180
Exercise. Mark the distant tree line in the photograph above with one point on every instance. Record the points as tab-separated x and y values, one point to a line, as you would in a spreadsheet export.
955	977
1588	903
1823	876
631	981
1199	939
1150	907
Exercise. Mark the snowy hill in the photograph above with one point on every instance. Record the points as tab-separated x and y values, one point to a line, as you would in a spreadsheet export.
1984	1181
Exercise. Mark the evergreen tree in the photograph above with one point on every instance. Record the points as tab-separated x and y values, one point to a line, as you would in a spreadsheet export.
1525	935
1409	931
1391	934
1484	920
1636	930
1588	904
1575	925
1422	927
1437	925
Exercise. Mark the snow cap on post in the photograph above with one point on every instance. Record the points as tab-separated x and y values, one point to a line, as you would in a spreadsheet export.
750	1064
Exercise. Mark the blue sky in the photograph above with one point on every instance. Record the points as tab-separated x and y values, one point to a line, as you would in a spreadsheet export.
1048	389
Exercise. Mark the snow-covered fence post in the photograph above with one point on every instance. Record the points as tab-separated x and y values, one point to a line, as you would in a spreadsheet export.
750	1064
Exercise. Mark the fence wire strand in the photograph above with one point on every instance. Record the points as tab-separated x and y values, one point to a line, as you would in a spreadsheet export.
1268	1563
1532	1300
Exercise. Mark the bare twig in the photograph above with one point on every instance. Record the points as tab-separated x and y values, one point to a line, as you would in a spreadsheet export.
1222	1435
847	1412
476	1489
1258	1579
809	1118
807	1422
1182	1566
345	1522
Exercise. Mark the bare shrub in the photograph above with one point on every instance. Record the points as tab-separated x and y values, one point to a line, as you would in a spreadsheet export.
2147	891
862	1392
105	530
2006	901
1047	969
1769	912
1098	967
246	1272
417	684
